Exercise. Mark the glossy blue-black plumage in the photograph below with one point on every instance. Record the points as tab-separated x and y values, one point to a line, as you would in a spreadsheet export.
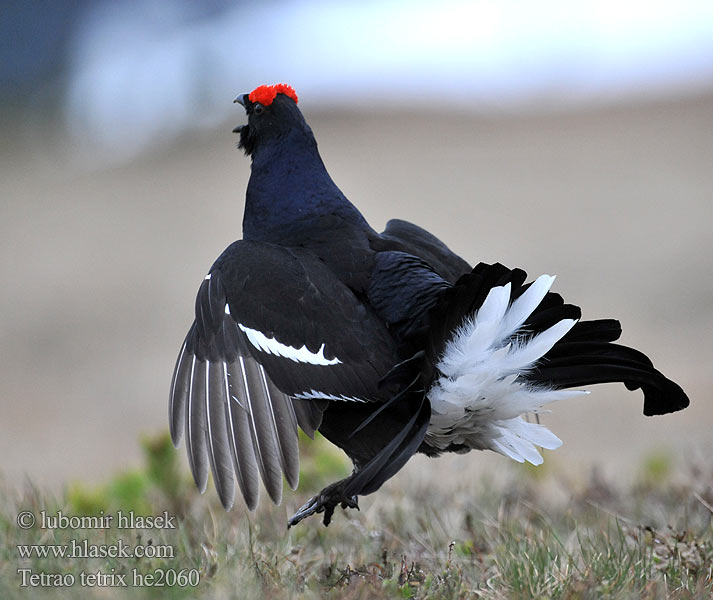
289	190
316	319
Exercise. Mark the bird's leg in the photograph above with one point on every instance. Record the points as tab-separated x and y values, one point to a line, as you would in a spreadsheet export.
326	501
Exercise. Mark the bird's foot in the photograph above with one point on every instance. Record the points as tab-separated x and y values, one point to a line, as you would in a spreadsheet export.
326	501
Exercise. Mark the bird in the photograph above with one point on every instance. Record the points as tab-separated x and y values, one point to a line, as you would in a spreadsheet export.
388	344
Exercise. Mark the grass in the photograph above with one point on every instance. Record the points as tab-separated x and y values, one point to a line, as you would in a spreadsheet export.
534	534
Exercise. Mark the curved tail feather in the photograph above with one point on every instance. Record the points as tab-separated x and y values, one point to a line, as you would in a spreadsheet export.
499	348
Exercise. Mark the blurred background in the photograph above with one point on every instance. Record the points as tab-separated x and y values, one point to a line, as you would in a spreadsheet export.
568	138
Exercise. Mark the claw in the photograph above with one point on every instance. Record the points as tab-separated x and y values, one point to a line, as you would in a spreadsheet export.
306	510
352	502
326	501
328	512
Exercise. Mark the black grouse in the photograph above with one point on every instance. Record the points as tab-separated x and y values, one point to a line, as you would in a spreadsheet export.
386	343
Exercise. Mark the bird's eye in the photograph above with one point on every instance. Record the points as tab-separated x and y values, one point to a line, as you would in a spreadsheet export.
258	109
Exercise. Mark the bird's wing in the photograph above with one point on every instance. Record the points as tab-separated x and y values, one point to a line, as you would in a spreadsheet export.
403	288
419	242
275	335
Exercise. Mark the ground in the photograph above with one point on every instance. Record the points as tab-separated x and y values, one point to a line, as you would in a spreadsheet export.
523	533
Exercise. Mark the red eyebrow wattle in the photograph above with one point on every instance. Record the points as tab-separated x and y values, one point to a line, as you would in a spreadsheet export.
265	94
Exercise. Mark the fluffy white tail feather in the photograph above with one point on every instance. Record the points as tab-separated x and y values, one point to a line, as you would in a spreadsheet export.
528	301
478	401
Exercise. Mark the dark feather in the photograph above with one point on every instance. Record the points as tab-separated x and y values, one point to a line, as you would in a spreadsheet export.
309	414
241	444
393	455
179	392
196	425
285	421
262	429
218	443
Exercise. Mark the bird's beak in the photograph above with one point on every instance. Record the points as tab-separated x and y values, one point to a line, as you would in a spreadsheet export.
243	100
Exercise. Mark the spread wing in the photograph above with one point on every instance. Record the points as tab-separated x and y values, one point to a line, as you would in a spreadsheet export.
275	338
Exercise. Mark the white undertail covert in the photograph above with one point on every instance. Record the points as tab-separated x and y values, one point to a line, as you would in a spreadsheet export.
480	399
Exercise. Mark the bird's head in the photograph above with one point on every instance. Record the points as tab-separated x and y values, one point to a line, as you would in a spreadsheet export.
272	114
